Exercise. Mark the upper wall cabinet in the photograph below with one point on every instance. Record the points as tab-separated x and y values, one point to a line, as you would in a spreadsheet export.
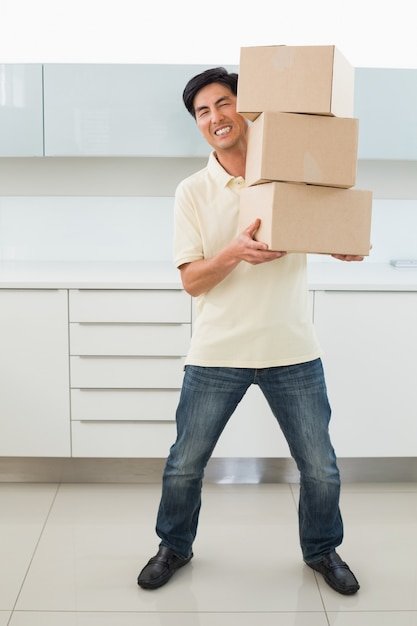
119	110
137	110
386	105
21	115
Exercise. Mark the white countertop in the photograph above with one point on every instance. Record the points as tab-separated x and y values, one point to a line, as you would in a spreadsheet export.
328	275
88	275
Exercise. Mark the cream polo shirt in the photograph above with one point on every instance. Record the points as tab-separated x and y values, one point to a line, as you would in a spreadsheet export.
259	315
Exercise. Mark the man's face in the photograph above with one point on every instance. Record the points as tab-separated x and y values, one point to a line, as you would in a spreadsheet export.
216	117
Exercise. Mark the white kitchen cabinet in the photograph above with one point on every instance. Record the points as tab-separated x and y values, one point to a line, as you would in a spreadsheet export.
126	439
34	373
127	353
127	350
130	339
21	110
122	372
125	372
109	405
386	104
119	110
370	351
129	306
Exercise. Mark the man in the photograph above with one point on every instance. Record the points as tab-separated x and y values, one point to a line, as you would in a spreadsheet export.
253	327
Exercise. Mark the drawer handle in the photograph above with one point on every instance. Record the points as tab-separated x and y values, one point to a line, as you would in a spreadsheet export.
172	420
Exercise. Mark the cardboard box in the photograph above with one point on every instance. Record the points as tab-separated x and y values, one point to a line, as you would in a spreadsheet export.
292	147
309	218
295	79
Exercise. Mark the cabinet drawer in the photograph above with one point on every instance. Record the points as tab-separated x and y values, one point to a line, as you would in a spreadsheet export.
122	440
124	404
130	339
126	372
164	305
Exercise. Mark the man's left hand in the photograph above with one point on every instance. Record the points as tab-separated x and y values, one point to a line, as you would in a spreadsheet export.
348	257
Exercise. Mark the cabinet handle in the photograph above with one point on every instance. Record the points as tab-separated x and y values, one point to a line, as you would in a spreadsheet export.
172	420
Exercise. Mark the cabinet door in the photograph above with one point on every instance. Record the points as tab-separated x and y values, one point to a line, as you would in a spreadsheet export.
370	350
34	373
386	104
21	110
131	110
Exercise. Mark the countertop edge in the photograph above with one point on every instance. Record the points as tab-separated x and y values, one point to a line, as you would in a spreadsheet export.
321	276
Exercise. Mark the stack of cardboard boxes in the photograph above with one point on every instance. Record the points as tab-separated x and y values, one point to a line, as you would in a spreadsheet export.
302	151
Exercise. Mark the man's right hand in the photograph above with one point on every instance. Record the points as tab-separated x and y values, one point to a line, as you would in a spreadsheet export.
204	274
252	251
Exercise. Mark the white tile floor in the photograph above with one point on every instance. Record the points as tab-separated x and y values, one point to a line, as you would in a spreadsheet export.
70	555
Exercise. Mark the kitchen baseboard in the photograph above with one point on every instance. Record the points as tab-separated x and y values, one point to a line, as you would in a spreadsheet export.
219	470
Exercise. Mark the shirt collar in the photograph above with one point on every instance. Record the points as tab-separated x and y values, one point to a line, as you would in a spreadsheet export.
218	172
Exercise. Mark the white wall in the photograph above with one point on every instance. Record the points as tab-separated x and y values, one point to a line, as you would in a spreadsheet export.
370	34
87	229
121	209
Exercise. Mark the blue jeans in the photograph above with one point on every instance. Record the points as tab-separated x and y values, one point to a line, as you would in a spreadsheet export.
298	399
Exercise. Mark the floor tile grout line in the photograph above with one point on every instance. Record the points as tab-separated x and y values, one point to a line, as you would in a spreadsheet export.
58	486
294	497
322	600
172	612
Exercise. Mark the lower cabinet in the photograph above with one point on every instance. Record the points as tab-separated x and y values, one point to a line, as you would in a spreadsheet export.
123	422
110	386
370	352
127	350
34	373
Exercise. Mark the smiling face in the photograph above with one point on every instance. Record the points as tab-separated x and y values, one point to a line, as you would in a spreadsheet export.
215	113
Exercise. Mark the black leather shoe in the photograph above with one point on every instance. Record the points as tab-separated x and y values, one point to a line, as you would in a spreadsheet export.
160	568
336	573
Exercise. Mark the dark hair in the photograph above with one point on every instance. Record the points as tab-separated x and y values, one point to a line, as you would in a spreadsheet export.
215	75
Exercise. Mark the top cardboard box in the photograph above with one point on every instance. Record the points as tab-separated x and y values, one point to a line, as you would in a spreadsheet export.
295	79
